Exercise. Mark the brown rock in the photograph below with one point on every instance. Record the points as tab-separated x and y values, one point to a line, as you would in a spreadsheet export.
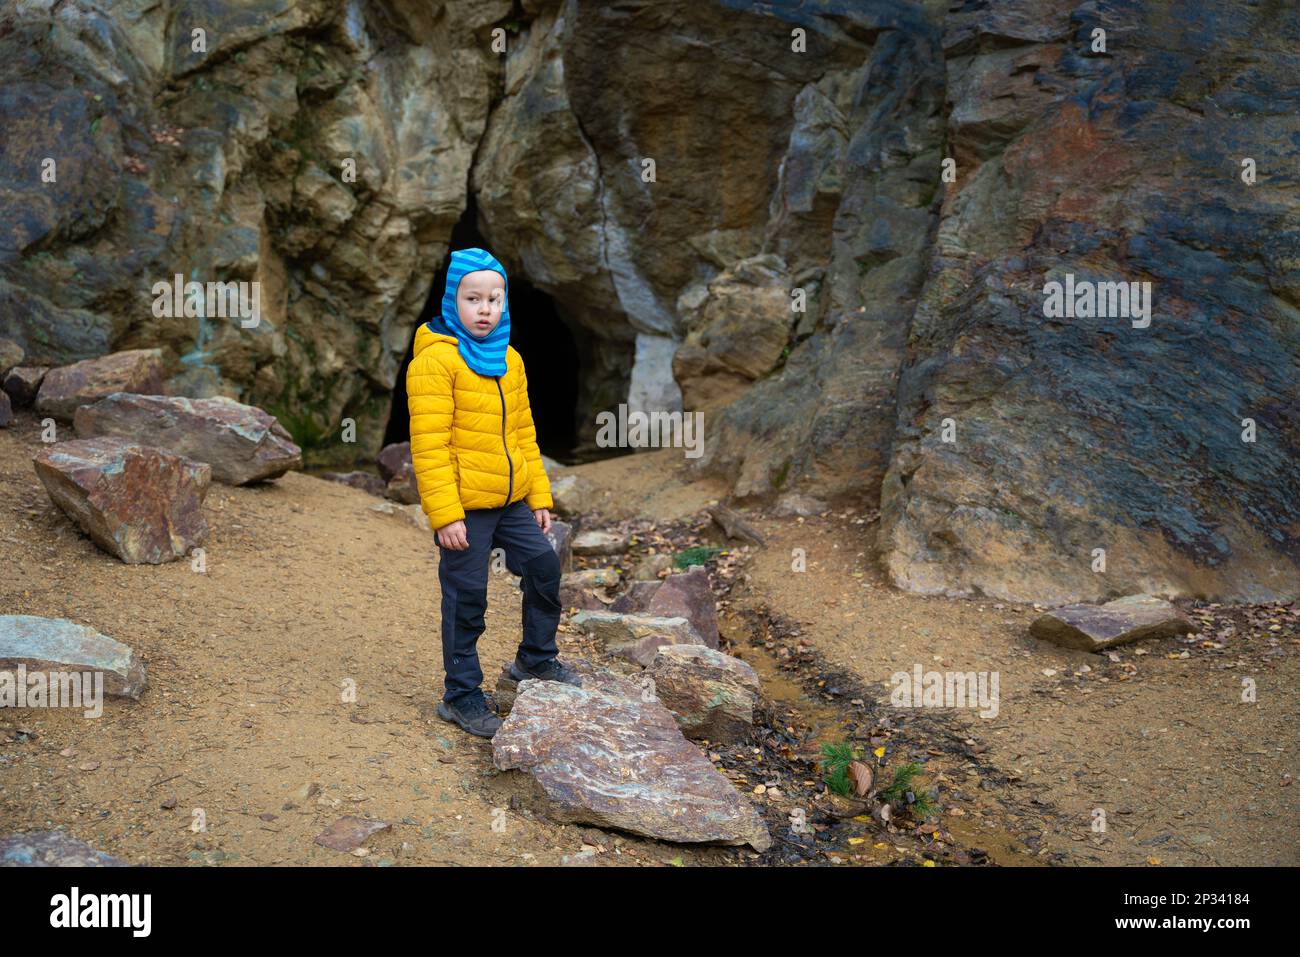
393	458
637	596
366	481
561	538
712	694
242	443
617	761
592	676
6	410
349	833
1094	627
688	595
67	387
138	503
22	383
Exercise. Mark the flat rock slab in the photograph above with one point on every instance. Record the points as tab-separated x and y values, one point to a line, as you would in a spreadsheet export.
635	637
712	694
1094	627
65	388
592	676
349	833
138	503
56	644
596	542
241	442
52	849
617	761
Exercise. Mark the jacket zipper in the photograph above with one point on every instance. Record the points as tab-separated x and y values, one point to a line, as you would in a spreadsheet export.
509	462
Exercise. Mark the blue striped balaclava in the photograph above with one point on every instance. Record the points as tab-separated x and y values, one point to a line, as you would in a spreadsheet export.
486	356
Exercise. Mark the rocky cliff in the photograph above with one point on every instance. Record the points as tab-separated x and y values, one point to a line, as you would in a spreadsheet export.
909	177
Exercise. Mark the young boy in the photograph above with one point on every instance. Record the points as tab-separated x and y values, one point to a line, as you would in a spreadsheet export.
481	482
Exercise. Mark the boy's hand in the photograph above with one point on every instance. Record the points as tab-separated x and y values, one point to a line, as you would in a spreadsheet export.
453	536
543	517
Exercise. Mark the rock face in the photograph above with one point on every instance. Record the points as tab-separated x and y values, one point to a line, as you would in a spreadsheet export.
1097	429
138	503
615	761
242	444
860	317
1094	627
66	388
711	694
55	644
52	849
635	637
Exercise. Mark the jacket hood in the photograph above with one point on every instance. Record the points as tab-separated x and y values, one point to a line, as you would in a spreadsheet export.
486	356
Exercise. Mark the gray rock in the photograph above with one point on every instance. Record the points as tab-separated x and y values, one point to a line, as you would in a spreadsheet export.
138	503
241	442
56	644
648	568
52	849
616	761
635	637
571	494
597	542
11	354
1094	627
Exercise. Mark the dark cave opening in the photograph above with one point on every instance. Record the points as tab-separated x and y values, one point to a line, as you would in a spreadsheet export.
537	332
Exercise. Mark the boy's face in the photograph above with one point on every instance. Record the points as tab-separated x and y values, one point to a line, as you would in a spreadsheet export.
479	301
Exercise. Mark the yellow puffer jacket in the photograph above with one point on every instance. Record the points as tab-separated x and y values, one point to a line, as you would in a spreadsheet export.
472	436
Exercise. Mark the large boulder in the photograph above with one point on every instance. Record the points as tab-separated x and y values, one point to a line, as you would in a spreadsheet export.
712	695
619	761
56	644
1094	627
65	388
141	504
242	443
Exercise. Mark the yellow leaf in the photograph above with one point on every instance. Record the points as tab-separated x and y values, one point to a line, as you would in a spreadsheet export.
928	863
857	840
879	752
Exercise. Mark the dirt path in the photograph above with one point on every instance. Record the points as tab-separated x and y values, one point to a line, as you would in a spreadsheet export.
305	588
308	591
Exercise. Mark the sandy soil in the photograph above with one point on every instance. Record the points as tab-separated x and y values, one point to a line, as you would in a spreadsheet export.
308	591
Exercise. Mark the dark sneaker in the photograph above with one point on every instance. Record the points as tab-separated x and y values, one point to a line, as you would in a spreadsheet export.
551	670
472	713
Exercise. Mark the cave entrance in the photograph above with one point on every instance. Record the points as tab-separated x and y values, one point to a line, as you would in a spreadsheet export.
537	332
